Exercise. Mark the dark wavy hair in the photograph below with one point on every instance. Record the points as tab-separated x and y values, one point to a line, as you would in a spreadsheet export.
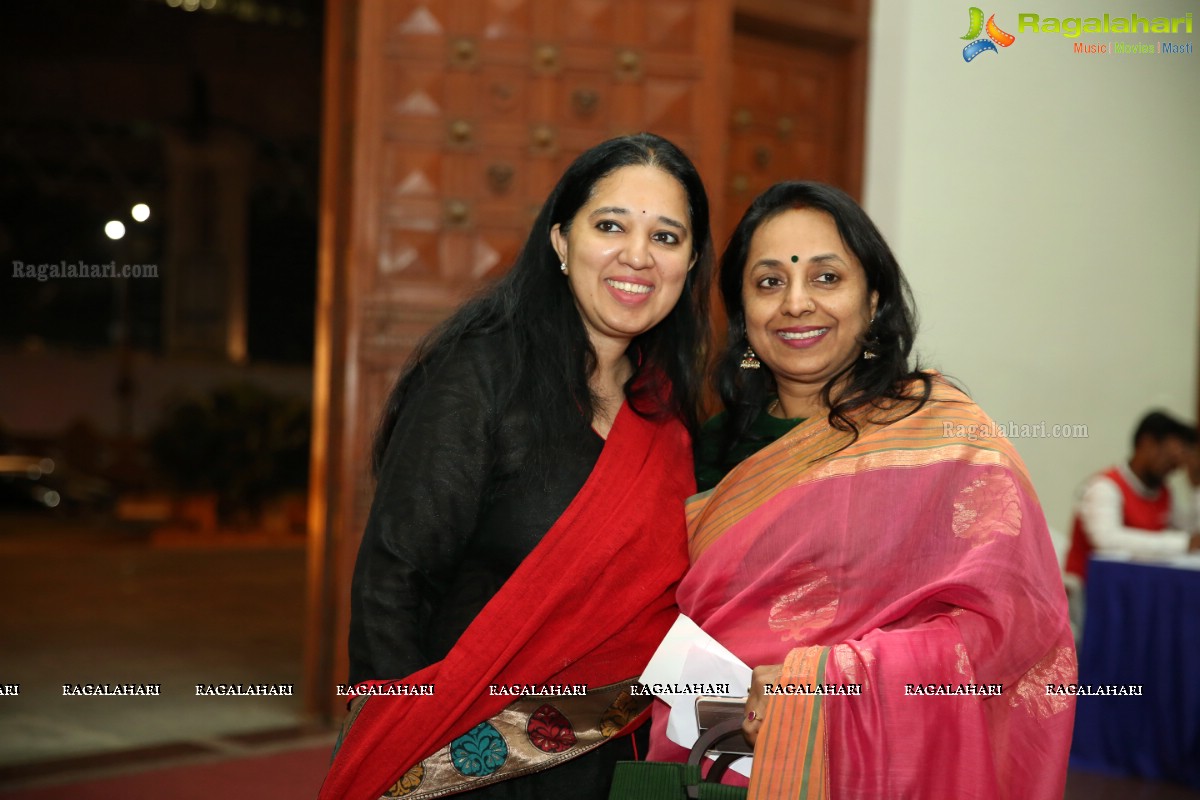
1160	425
883	381
532	312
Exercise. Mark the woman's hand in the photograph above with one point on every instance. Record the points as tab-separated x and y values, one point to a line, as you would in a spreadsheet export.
756	701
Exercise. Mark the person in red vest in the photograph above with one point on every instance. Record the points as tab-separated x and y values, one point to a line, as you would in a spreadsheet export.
1128	508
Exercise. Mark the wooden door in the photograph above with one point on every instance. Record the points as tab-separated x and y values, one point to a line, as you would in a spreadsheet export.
796	112
787	121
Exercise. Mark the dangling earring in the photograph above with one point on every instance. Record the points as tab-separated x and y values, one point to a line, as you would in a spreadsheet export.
563	267
750	359
872	341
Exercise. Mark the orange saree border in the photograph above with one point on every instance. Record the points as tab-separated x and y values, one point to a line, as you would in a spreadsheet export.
942	430
790	757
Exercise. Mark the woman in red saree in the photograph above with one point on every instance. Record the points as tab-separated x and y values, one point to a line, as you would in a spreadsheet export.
876	551
521	555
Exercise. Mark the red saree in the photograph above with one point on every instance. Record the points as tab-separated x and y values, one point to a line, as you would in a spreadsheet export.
587	606
914	564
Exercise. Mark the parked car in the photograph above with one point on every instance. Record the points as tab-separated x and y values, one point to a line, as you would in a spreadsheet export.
24	478
40	481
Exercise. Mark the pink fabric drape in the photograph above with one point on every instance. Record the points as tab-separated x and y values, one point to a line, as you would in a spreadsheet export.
919	555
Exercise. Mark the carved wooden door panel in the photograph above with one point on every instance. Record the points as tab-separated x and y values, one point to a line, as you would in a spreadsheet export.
464	114
791	118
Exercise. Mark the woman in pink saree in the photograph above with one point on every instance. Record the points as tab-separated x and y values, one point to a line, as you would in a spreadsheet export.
873	547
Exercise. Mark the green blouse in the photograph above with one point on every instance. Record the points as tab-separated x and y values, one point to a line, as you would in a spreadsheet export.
765	429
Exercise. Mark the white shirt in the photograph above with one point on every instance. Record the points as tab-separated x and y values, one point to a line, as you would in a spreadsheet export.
1101	507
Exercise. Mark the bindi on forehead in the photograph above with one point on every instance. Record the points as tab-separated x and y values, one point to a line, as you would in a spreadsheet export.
795	259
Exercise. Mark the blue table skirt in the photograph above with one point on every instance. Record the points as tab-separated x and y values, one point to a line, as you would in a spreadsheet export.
1142	628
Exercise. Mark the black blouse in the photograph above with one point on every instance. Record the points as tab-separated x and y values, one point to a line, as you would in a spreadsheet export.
455	511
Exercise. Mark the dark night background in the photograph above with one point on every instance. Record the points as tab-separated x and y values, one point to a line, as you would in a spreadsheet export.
154	463
89	92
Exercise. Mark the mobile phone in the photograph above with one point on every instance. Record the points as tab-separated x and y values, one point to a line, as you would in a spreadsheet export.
712	710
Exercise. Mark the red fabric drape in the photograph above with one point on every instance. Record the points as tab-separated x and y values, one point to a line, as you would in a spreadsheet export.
588	605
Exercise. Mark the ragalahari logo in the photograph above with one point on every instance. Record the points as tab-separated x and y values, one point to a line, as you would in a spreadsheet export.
995	36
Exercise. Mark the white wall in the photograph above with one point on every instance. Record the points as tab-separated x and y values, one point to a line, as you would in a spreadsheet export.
1045	206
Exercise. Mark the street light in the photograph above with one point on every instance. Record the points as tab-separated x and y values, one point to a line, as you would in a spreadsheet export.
114	229
140	212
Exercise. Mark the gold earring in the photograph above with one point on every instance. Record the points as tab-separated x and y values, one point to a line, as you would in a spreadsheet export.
868	353
750	359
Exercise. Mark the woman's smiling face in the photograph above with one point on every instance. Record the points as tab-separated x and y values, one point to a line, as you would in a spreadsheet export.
806	299
628	251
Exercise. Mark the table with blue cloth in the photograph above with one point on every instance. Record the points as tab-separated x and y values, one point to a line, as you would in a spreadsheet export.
1142	629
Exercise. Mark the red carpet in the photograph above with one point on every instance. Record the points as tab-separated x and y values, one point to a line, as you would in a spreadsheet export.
291	775
297	775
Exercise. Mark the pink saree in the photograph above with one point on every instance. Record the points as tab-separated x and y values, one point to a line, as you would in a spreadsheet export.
915	565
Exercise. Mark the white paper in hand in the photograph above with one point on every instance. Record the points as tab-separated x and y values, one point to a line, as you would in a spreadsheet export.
688	655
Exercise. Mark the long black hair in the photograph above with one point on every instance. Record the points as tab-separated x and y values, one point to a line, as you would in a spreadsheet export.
532	312
885	380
